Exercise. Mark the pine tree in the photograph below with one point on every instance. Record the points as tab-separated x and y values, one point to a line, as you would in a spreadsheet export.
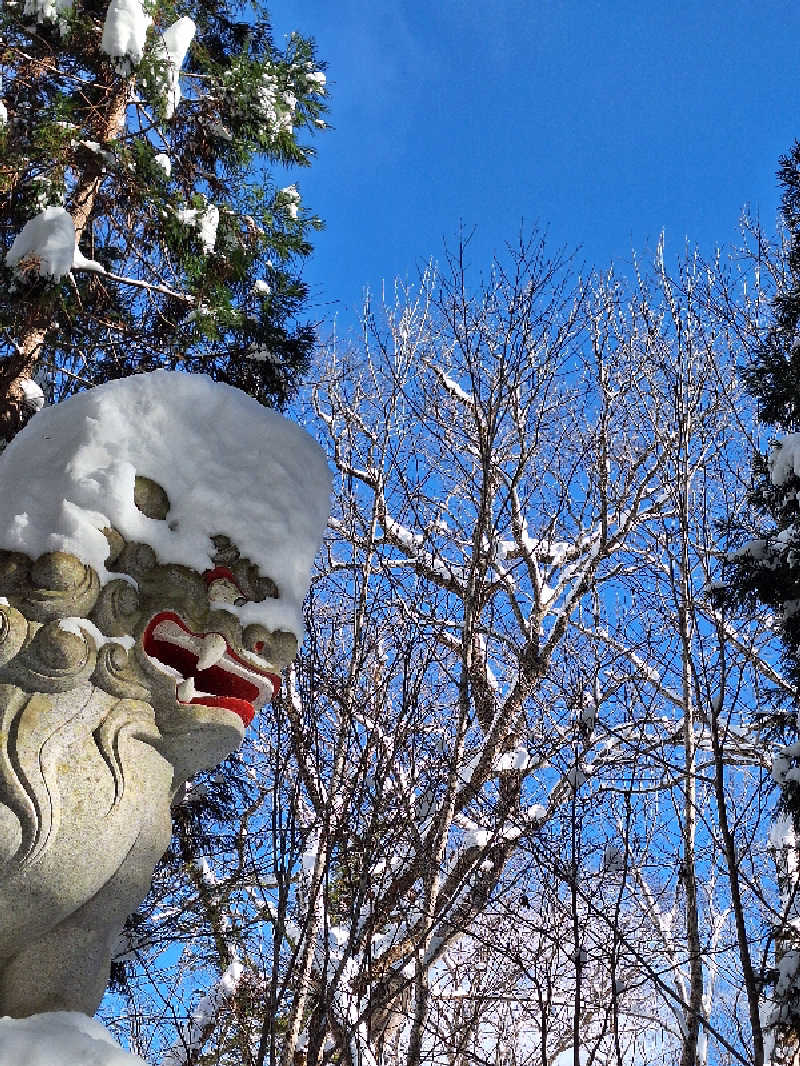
774	375
149	135
765	569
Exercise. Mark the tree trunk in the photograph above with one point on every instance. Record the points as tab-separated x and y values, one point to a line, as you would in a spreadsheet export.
21	367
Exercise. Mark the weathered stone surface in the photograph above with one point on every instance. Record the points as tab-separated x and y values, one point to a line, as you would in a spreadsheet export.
156	540
96	737
150	498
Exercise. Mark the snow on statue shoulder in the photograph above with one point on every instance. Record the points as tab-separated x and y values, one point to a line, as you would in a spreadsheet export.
125	669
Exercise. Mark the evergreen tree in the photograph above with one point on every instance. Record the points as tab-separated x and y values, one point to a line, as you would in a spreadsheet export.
145	138
765	569
774	374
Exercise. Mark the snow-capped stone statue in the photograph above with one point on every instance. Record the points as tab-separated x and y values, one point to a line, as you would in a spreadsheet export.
156	540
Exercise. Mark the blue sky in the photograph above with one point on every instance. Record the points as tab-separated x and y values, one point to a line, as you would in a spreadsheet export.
604	122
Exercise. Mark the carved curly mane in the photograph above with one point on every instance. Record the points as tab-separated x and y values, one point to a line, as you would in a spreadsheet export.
37	732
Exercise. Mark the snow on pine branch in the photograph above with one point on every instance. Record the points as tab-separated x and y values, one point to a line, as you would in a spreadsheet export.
205	220
124	33
171	50
46	246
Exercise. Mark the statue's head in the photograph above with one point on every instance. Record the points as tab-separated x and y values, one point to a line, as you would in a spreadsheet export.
156	538
170	639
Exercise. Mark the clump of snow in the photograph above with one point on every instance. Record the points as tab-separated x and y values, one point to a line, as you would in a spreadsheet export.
474	835
788	972
781	833
46	246
784	459
171	49
780	768
753	549
48	11
536	813
292	197
95	146
513	760
34	397
228	466
206	222
125	31
80	262
318	80
163	161
261	287
3	114
60	1038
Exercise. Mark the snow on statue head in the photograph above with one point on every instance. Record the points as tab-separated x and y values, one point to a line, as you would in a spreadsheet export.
156	540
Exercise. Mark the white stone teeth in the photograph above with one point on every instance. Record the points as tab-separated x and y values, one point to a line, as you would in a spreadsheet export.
212	649
170	670
186	690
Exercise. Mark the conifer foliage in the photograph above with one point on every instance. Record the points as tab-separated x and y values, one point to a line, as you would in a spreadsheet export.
142	223
774	376
766	566
765	569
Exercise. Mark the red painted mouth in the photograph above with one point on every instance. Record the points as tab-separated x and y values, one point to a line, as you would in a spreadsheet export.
229	681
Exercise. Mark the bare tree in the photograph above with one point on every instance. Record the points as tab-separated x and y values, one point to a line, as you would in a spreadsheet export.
531	476
513	794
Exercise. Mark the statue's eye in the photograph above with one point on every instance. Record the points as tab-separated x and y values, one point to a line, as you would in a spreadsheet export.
223	592
222	587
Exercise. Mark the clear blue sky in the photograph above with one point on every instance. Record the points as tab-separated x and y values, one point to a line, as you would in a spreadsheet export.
604	122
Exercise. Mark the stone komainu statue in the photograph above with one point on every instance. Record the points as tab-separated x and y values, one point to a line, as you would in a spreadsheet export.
123	670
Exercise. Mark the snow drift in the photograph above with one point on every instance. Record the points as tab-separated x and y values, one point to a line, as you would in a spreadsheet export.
60	1038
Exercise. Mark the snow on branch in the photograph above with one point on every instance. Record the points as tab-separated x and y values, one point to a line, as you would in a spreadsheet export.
426	564
46	247
455	390
204	1018
308	770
